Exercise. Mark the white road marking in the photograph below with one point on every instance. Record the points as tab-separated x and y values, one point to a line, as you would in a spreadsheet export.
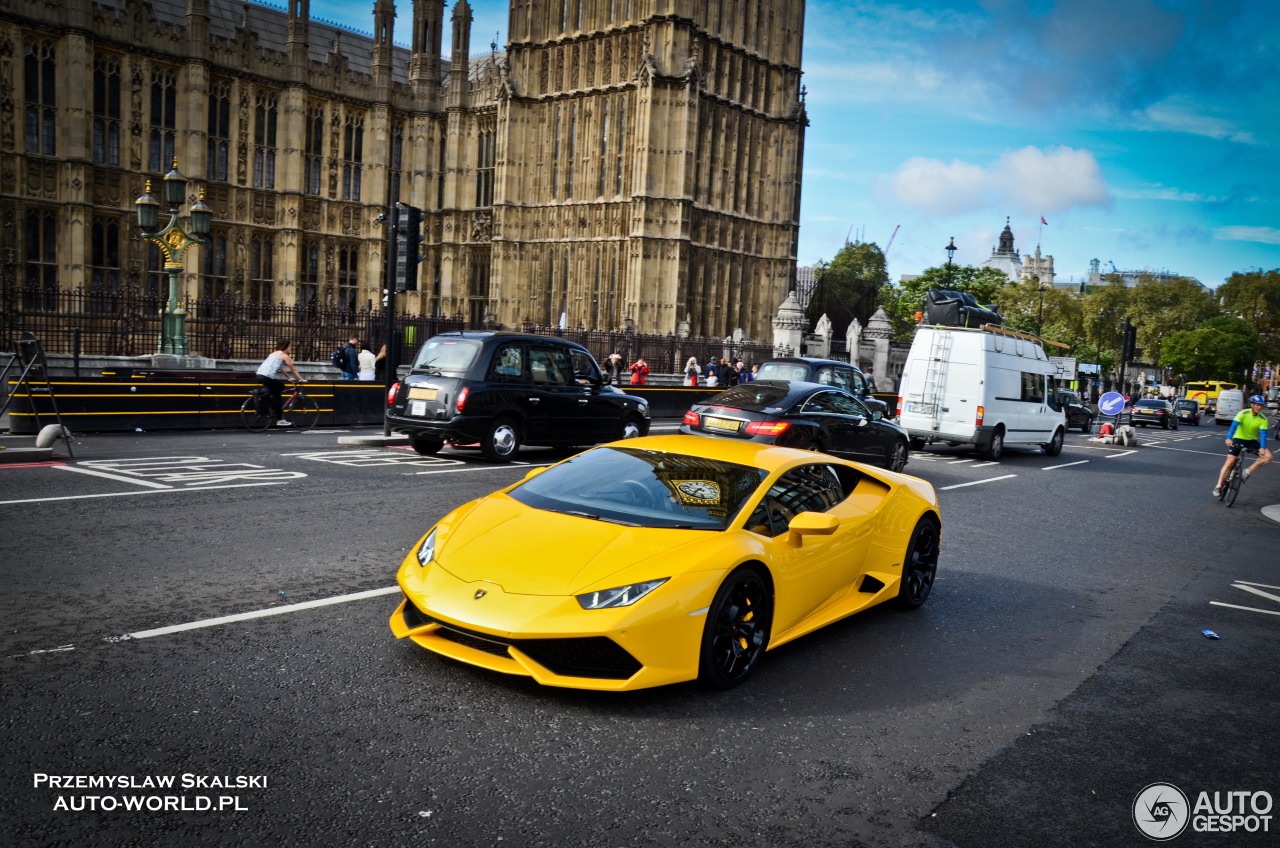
983	464
134	480
1065	465
1256	589
1122	453
1250	609
976	482
132	494
58	650
484	468
262	613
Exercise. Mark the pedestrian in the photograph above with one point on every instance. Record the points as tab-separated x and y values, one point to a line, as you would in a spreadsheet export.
380	365
639	372
712	370
724	373
276	363
691	371
366	361
351	359
740	375
870	374
613	369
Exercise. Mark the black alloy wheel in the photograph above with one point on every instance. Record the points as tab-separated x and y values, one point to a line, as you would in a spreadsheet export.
920	565
736	634
633	428
898	455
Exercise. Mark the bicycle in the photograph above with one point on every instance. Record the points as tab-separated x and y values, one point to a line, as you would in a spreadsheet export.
1235	477
298	409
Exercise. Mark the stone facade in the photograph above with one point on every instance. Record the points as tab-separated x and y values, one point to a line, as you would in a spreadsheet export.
621	164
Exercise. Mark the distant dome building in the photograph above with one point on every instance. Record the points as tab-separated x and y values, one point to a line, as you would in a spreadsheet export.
1006	258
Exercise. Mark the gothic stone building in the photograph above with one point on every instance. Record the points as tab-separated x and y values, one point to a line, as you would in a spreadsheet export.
625	163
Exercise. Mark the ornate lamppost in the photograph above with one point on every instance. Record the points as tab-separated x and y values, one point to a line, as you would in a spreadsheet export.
1040	314
951	252
173	241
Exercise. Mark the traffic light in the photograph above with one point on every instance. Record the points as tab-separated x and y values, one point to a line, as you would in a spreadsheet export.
1128	341
408	245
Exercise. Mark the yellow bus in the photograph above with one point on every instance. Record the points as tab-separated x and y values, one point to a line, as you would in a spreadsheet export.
1206	393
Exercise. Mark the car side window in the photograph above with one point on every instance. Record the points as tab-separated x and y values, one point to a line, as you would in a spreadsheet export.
1033	387
585	368
549	367
809	488
850	380
846	405
507	365
820	402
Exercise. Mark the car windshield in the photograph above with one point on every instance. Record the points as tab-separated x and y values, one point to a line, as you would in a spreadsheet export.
755	397
643	488
1187	404
441	354
1150	404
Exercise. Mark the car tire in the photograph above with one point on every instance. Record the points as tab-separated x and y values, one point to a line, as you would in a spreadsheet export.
502	441
1087	426
814	446
898	455
996	449
426	447
736	633
1054	447
920	565
917	444
633	428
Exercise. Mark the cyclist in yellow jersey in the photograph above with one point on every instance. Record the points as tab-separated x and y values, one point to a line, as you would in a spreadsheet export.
1248	431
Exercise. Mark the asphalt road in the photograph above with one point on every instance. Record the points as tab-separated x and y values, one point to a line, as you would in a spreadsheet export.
1058	669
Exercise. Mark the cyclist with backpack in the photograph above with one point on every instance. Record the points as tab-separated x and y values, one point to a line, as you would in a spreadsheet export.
277	362
1248	432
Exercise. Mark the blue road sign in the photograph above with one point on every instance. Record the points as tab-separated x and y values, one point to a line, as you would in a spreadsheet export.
1112	403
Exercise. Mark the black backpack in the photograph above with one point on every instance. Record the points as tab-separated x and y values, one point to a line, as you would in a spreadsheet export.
339	359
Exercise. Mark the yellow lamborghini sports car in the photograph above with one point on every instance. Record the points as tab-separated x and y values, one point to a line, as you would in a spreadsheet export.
665	558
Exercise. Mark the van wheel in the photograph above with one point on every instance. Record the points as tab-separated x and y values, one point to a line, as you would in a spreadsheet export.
502	442
917	444
996	449
1055	444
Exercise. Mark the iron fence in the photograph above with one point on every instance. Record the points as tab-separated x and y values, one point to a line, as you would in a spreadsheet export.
126	322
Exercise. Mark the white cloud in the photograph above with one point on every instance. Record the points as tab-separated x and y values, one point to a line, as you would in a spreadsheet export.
1159	192
1032	180
1172	115
1263	235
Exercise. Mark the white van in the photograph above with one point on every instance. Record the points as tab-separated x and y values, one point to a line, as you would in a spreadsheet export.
1230	402
986	387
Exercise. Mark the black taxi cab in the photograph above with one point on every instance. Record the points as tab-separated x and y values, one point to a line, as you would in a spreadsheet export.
504	390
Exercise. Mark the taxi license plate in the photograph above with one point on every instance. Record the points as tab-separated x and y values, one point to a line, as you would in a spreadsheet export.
423	393
417	408
922	408
712	423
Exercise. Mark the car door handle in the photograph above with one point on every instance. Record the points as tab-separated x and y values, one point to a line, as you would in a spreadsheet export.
582	401
534	400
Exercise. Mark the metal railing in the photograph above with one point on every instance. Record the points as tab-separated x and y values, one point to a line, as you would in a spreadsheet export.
125	322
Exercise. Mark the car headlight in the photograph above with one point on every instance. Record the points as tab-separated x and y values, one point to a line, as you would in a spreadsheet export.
427	551
620	596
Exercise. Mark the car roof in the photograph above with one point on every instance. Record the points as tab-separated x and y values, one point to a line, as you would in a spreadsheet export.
503	335
807	360
759	455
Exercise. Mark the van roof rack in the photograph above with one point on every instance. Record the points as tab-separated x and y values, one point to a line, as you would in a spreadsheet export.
1031	337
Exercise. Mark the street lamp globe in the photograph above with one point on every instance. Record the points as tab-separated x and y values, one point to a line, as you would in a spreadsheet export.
148	210
175	187
201	218
951	252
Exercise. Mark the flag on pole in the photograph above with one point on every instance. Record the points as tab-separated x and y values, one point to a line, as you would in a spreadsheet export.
1043	221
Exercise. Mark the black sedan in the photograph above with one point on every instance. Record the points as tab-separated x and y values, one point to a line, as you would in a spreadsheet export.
1077	411
1155	411
801	415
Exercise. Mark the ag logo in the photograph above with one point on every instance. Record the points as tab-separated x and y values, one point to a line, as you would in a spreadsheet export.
1161	811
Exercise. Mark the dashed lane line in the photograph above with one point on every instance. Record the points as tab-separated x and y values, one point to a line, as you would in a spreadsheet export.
1065	465
977	482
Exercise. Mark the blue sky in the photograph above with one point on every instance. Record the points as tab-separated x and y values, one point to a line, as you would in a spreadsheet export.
1145	132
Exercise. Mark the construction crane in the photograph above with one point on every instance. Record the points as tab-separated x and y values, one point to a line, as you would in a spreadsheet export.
1114	269
891	238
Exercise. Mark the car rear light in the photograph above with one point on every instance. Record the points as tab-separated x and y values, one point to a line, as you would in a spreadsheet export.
691	418
767	428
981	412
898	414
391	394
462	398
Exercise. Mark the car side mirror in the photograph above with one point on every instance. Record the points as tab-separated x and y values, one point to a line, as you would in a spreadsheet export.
812	524
876	415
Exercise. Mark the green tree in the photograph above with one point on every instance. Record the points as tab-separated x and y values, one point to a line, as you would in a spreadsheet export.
1159	308
1219	349
1254	297
902	302
1102	321
848	287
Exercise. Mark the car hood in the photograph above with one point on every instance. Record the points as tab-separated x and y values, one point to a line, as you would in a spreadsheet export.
529	551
